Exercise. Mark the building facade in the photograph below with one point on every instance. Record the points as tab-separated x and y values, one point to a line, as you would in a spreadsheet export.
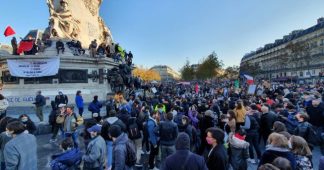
297	57
166	73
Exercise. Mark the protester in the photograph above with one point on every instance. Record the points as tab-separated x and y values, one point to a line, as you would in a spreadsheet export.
56	122
14	46
302	152
183	159
40	102
95	106
282	163
21	151
107	123
70	158
238	150
79	102
28	123
95	156
119	148
4	104
277	147
266	122
60	47
61	99
240	113
93	48
70	123
152	138
4	139
217	156
168	132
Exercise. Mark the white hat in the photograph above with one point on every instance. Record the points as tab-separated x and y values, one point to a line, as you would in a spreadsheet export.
95	115
61	105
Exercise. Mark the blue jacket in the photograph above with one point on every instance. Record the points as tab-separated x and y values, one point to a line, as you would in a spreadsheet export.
21	153
63	161
79	101
292	122
151	124
95	106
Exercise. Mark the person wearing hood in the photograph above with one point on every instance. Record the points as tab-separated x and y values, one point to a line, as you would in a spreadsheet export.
290	120
192	114
183	159
95	106
280	128
239	150
107	123
61	99
277	147
95	156
29	124
120	140
70	158
186	127
205	121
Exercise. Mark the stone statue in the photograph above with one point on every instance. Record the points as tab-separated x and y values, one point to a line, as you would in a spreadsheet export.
78	20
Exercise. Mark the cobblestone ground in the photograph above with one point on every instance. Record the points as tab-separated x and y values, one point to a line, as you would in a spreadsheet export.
46	149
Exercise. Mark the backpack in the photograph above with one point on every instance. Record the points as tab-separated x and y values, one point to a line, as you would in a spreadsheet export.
133	129
312	136
130	154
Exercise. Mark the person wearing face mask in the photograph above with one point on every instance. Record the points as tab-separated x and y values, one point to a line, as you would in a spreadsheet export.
61	99
95	156
70	158
162	110
29	124
217	156
21	151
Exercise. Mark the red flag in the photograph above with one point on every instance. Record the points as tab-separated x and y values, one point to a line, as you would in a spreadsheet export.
25	45
9	31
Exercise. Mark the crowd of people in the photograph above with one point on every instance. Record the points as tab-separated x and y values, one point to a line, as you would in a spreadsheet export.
179	127
114	51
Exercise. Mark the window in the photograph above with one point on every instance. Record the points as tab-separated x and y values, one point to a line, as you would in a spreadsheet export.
301	74
73	76
313	72
39	80
8	79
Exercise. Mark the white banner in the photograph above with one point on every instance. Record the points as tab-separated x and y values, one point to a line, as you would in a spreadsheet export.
34	67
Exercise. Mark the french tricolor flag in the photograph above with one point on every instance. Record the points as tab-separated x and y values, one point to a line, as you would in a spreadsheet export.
249	79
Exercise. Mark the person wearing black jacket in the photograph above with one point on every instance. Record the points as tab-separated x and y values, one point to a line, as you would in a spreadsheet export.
28	123
217	156
266	123
316	118
40	102
306	130
252	136
61	99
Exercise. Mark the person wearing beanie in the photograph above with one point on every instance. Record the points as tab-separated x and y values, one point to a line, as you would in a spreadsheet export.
217	156
95	156
107	123
184	159
120	140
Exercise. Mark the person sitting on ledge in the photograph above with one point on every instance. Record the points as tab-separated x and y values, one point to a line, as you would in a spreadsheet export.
101	50
79	47
60	46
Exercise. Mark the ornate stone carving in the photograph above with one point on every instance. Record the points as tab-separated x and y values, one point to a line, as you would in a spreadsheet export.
77	19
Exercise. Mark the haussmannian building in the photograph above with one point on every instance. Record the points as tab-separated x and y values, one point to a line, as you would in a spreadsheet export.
270	58
166	73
